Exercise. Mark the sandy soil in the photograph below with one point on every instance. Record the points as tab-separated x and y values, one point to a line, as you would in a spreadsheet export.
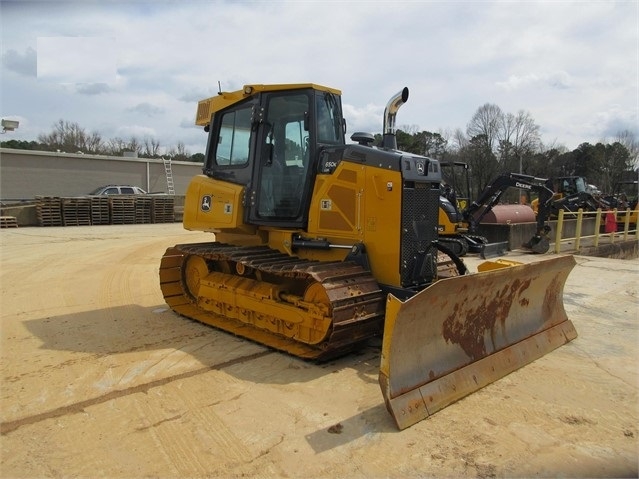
100	379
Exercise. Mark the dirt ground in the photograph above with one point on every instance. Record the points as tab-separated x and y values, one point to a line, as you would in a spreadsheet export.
100	379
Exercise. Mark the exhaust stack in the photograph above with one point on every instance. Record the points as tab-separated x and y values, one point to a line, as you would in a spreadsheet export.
390	112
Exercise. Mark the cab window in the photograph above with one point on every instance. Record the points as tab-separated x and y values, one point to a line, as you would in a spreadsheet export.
235	134
329	121
296	144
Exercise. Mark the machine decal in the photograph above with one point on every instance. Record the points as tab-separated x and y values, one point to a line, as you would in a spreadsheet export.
326	205
228	209
205	204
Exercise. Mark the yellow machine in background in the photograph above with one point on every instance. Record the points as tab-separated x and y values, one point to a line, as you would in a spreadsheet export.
454	230
624	200
321	245
571	193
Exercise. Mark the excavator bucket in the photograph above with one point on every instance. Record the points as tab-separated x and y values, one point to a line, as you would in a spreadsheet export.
462	333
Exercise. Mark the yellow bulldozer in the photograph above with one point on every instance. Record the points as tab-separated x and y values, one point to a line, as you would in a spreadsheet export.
321	245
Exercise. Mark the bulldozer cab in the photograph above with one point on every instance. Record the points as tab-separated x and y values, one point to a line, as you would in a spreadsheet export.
269	143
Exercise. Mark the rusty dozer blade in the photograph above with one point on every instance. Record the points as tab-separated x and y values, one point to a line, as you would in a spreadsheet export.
462	333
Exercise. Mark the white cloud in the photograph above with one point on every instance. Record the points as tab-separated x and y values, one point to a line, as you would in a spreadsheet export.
567	63
558	79
76	59
138	131
93	88
147	109
22	63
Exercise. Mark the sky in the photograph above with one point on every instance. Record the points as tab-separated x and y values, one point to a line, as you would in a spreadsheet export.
138	68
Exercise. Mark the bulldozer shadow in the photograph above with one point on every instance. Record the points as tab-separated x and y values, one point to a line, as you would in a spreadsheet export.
139	348
120	330
129	329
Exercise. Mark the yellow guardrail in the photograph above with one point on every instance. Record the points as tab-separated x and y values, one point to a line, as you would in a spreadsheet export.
609	235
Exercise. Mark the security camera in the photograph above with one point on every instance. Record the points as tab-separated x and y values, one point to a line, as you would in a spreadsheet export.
9	125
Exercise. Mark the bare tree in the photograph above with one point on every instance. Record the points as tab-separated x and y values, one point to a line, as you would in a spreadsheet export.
71	138
116	146
483	132
519	140
487	123
94	144
151	148
178	152
134	145
458	140
628	139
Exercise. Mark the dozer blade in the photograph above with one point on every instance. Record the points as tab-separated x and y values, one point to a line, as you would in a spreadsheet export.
463	333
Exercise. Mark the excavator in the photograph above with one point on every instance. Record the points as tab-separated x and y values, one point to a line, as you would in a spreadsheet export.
539	243
320	245
459	221
454	232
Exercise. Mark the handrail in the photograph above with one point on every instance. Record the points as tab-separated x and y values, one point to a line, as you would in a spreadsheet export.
598	235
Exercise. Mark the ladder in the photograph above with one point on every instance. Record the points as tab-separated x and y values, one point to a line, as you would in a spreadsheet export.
168	171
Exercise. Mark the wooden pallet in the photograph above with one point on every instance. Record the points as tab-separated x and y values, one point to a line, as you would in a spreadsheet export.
8	222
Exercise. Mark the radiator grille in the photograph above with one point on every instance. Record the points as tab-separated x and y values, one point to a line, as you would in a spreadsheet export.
420	208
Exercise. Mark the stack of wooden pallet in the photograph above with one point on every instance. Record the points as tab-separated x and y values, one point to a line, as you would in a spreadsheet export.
163	209
49	210
8	222
76	211
104	210
143	207
122	209
100	212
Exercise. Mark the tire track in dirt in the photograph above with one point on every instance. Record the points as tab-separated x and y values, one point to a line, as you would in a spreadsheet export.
90	359
78	407
219	441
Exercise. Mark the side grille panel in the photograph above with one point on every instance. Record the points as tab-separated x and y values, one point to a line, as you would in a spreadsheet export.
420	207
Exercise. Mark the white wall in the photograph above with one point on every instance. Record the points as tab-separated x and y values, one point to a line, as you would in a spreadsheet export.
25	174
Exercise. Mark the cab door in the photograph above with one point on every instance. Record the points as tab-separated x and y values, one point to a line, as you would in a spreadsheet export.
281	173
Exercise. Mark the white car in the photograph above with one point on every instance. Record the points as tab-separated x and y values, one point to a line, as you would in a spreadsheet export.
118	190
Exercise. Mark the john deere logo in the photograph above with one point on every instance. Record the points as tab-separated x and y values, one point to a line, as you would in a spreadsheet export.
206	203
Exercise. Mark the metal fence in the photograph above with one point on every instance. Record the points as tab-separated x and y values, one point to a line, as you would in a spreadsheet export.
607	229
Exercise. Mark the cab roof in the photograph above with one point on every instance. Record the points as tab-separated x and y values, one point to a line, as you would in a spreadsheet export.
207	107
